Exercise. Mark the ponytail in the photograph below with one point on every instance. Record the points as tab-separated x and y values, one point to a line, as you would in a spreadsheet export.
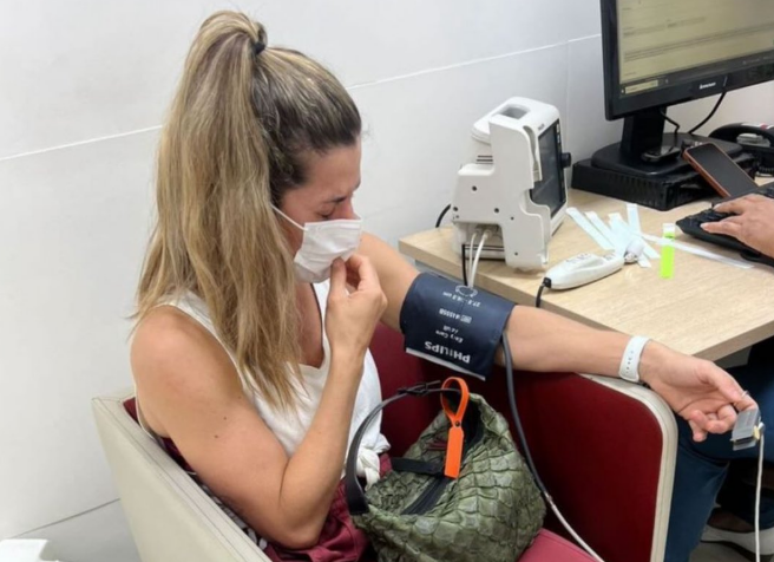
243	117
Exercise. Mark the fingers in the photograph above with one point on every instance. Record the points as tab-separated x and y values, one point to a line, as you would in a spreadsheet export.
699	435
721	417
737	206
353	279
746	403
361	273
356	261
714	409
701	424
726	418
733	219
727	415
726	226
338	278
726	384
713	422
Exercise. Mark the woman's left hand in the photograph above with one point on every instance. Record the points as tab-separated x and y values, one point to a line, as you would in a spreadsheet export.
702	393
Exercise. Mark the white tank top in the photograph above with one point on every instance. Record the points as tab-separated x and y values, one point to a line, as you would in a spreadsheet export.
290	427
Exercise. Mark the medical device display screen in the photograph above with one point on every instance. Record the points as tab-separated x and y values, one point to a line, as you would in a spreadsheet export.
550	189
665	42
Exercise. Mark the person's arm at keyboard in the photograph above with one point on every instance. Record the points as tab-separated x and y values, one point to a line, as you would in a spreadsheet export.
752	222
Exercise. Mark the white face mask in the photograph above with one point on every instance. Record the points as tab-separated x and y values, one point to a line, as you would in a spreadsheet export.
323	242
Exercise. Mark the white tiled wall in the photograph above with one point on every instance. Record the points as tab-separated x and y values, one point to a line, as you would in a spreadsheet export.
73	223
75	206
100	535
585	124
86	69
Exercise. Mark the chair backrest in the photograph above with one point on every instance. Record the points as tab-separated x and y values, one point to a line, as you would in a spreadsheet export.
170	516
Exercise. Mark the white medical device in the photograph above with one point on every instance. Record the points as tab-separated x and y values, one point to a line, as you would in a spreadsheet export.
582	269
515	185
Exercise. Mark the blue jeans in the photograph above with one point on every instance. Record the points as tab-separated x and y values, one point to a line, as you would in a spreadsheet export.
705	473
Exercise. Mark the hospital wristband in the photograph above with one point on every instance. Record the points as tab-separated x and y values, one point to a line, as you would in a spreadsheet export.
630	363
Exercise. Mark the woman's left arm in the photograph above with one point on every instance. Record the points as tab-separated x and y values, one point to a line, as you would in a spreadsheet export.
395	276
540	341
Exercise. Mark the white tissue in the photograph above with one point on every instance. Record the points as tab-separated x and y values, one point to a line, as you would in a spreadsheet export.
16	550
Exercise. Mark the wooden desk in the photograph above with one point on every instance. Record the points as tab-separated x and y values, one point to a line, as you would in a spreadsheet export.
707	309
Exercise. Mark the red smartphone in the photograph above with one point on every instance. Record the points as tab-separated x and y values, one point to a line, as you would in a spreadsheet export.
720	171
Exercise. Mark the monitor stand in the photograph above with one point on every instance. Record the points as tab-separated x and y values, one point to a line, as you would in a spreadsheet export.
646	152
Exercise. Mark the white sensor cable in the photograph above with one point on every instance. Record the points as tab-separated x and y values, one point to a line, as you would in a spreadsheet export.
758	503
470	257
572	531
472	276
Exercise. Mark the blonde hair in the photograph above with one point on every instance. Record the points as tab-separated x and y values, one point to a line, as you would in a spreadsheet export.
234	142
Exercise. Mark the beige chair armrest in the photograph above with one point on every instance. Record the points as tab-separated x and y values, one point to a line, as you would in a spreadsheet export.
171	518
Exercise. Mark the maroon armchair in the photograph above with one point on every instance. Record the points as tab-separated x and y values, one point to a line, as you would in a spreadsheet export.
604	448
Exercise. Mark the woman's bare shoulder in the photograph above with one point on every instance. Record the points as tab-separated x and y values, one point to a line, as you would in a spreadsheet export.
173	355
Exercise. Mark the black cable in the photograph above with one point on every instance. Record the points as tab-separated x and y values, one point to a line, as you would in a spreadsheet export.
464	270
443	214
673	122
546	283
712	113
515	414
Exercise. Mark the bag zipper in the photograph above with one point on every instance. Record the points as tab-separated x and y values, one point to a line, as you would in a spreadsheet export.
430	496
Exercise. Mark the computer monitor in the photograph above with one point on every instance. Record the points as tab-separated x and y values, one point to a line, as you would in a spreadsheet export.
663	52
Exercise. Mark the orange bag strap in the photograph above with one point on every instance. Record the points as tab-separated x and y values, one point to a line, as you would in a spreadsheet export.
456	437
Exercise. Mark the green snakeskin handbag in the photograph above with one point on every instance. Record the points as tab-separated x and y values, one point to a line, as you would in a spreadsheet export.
490	512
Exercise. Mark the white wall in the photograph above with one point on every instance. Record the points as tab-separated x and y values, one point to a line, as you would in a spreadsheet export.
84	85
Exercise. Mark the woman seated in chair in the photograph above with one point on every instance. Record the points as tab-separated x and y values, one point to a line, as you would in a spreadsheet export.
259	297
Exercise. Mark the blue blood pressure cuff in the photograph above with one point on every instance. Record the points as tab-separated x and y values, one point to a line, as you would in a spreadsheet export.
457	326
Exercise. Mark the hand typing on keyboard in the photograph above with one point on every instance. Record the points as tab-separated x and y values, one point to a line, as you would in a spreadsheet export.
750	220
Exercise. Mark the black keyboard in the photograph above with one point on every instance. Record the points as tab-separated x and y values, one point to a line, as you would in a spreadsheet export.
692	225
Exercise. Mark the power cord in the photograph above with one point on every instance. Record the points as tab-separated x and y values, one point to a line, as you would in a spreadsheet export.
673	122
528	455
711	114
703	122
443	214
546	284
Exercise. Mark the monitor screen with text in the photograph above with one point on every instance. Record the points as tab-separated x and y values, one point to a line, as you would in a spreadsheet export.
664	42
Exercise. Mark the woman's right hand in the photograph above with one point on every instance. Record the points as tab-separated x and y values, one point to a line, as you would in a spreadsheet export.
352	315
